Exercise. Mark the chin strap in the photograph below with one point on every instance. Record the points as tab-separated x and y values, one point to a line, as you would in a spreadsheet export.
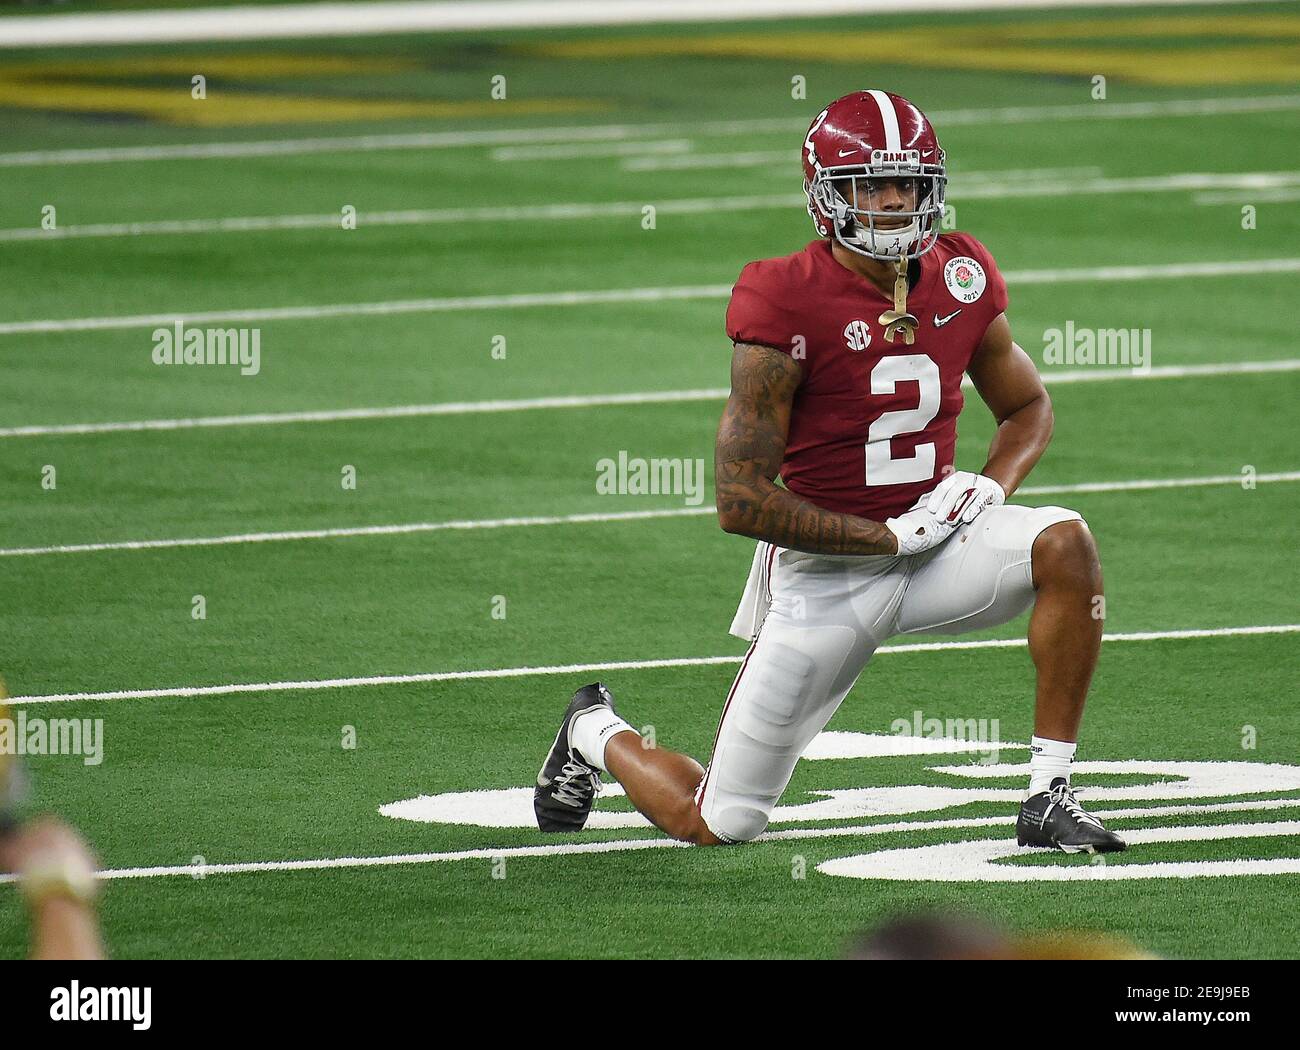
898	321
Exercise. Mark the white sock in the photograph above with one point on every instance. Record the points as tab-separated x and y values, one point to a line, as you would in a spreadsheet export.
592	730
1048	759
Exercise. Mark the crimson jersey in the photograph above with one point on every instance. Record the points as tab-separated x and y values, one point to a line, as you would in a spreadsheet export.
873	423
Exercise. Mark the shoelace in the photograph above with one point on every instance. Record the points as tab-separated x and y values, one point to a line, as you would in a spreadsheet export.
1063	796
575	784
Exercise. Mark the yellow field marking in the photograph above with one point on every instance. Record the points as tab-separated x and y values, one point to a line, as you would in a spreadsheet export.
98	86
1268	27
1041	47
174	105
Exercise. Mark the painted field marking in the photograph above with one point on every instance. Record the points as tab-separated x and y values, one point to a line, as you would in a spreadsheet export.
1188	107
1238	198
315	685
1068	275
975	186
584	150
469	525
580	210
976	861
305	21
634	844
646	397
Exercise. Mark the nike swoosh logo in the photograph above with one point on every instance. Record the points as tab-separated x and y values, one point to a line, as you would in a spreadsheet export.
939	322
965	499
847	152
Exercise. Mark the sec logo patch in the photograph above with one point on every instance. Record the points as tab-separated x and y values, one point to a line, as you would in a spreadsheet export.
857	336
964	278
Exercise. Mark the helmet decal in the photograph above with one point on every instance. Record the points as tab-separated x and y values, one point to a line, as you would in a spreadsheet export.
808	139
889	118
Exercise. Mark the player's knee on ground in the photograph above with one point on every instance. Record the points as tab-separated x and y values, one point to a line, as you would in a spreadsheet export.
687	825
1064	553
738	823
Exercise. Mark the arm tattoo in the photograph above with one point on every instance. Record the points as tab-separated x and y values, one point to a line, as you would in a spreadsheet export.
750	448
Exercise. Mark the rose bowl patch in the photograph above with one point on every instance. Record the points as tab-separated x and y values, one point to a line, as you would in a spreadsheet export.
964	278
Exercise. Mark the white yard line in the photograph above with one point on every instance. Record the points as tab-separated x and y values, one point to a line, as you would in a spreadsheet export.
575	211
304	21
1191	107
582	150
315	685
1073	275
1239	197
568	849
381	309
694	161
470	525
361	530
1242	183
1155	483
649	397
1218	368
472	139
1244	186
441	408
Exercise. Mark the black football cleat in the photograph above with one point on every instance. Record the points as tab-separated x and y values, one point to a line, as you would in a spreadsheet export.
1053	819
567	785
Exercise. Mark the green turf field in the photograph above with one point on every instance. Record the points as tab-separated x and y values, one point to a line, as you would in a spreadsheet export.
1201	118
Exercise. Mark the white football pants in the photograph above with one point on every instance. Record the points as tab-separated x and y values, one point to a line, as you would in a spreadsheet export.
816	619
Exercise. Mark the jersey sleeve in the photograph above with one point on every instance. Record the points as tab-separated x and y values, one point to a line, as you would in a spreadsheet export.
996	286
754	316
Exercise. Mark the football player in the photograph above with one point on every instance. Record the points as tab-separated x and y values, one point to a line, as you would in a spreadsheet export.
846	386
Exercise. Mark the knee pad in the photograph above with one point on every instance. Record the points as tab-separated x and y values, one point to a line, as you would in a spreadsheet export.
737	823
780	683
792	675
785	695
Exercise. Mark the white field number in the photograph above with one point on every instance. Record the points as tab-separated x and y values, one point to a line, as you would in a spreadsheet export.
883	468
1172	788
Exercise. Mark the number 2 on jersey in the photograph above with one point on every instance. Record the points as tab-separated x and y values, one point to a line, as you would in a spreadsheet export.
883	467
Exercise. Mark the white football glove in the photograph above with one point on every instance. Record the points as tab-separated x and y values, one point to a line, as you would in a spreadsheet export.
962	496
918	530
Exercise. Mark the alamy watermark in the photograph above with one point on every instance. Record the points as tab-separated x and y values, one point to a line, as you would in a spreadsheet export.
179	345
636	476
1130	347
53	736
985	732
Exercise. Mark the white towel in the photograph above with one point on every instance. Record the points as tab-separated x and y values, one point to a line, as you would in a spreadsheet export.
754	603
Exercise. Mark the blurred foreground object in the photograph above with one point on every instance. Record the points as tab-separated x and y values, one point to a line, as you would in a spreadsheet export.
12	784
934	936
56	874
55	869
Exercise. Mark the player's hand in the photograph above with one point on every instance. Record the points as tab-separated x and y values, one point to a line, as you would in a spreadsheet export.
962	496
919	530
44	841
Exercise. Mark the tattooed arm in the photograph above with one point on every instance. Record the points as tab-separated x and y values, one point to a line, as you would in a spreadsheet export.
751	445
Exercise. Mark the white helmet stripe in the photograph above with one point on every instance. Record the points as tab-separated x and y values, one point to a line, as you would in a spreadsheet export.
893	141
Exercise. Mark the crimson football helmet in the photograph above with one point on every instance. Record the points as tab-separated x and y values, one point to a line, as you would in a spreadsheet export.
876	135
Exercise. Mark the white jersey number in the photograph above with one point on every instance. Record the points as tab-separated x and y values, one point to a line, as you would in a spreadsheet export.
883	468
